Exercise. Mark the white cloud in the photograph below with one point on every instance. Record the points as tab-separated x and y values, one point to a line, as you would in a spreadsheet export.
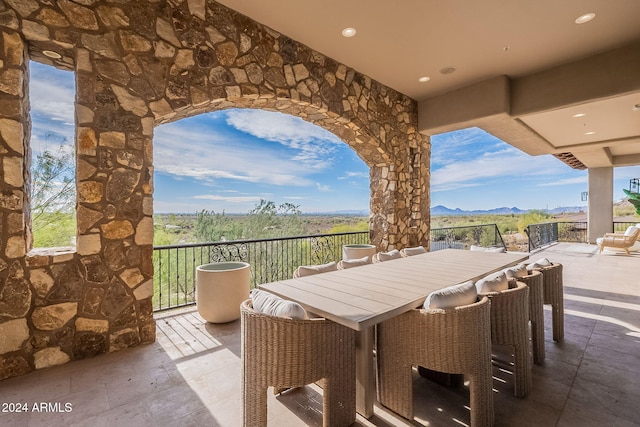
322	187
566	181
349	175
51	96
452	146
313	145
188	149
230	199
508	163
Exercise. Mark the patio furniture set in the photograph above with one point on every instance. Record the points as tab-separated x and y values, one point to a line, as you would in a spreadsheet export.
399	310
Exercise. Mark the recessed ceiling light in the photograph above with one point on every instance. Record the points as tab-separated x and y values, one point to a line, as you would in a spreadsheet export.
579	115
589	133
51	54
636	107
424	79
448	70
349	32
585	18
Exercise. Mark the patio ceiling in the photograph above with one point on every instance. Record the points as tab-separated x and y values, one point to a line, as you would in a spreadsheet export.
523	69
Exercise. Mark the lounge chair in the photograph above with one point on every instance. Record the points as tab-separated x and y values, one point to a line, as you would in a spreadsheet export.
620	241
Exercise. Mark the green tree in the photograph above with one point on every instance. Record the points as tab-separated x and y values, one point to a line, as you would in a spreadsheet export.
634	199
265	220
214	227
532	217
52	196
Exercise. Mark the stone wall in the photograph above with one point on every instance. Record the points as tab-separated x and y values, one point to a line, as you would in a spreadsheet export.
138	64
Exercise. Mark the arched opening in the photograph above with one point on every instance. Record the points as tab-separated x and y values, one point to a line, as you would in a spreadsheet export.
229	160
253	186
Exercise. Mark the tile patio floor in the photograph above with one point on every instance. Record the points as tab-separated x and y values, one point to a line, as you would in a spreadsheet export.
191	375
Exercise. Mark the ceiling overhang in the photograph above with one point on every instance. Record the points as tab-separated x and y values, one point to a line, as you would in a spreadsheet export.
584	112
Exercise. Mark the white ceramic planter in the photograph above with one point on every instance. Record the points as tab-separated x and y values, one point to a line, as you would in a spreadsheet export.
357	251
220	288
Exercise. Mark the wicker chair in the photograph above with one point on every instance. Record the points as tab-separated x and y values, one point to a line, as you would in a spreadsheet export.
283	352
386	256
553	293
510	326
620	241
309	270
456	340
417	250
351	263
536	314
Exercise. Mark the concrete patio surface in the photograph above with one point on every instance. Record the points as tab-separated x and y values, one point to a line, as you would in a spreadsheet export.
191	375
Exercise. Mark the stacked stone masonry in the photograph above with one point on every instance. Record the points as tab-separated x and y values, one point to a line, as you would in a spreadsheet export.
137	64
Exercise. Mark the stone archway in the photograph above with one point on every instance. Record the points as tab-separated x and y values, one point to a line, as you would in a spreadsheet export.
139	64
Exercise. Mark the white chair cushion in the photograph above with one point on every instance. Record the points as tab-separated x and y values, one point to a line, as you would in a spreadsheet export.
349	263
388	256
517	271
630	230
452	296
542	262
414	251
484	249
273	305
496	282
308	270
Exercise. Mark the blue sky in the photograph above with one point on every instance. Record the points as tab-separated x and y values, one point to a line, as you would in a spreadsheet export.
229	160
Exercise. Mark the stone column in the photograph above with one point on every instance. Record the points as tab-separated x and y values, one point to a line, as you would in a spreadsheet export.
115	208
420	221
400	202
600	215
15	293
383	182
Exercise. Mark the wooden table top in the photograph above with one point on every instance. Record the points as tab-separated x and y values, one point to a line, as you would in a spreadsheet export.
361	297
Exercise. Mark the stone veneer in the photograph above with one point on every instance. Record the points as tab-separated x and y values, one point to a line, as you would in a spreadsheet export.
138	64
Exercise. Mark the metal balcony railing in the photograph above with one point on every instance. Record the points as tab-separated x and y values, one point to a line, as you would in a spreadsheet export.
277	258
463	237
270	260
550	232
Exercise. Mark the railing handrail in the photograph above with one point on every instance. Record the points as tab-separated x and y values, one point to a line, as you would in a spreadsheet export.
270	259
452	240
273	258
266	239
466	226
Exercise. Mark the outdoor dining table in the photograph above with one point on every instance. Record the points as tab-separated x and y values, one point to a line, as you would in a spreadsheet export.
364	296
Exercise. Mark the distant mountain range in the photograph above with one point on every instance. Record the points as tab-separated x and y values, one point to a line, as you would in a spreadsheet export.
443	210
